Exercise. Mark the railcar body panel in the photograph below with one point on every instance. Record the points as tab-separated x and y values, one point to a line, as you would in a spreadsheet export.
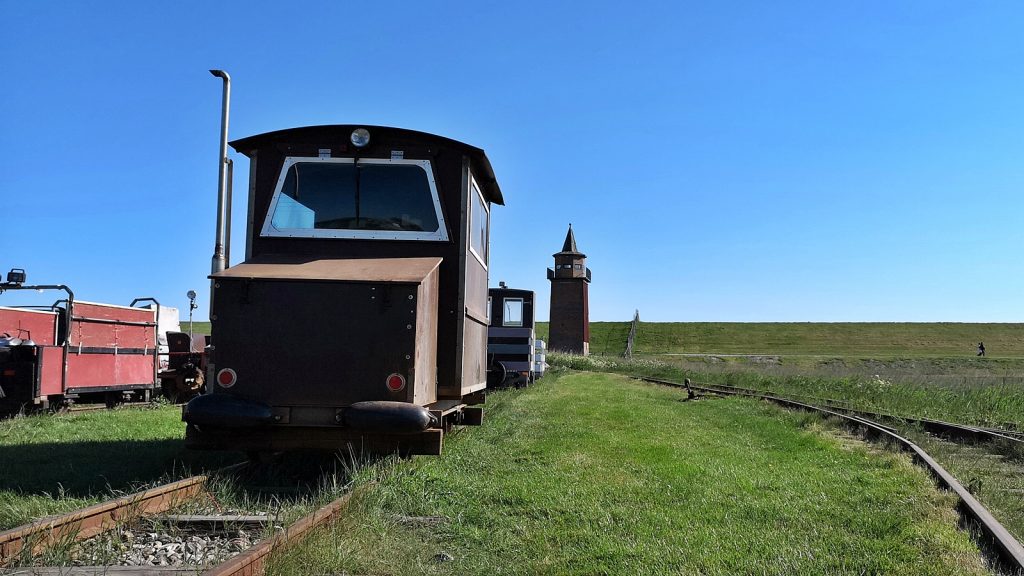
111	347
346	329
38	325
50	372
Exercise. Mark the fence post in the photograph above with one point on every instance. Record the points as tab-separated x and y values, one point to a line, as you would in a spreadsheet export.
632	334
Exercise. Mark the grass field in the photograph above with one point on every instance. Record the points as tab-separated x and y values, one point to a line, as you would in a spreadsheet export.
980	403
867	339
56	463
994	472
573	477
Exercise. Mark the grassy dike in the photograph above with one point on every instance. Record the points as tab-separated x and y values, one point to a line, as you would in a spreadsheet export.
597	474
868	339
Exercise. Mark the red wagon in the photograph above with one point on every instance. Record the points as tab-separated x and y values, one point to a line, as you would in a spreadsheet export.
75	351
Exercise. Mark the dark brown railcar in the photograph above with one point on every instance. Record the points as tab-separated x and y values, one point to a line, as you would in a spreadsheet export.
360	312
511	340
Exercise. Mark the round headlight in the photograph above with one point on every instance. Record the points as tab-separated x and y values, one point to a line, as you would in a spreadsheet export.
360	137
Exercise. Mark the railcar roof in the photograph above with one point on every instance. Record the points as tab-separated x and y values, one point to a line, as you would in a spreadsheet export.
341	132
511	291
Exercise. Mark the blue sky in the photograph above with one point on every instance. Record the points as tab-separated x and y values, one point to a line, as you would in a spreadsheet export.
740	161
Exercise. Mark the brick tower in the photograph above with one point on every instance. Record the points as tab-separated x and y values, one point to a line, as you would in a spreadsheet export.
570	306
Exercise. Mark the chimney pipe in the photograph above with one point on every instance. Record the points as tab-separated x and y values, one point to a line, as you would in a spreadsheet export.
219	259
227	213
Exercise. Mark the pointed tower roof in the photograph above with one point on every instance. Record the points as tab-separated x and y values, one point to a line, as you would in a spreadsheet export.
569	246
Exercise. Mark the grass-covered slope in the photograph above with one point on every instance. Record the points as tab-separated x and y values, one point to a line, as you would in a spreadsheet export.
597	474
877	339
873	339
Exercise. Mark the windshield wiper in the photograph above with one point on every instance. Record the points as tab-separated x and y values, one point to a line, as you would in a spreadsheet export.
358	168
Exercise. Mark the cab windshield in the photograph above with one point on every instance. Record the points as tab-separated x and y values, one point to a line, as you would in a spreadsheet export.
372	199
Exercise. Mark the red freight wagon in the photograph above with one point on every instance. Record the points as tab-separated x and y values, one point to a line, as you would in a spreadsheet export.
75	351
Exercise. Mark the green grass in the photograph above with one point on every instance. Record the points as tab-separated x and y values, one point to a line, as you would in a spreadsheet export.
869	339
56	463
998	470
995	479
606	338
985	404
197	327
595	474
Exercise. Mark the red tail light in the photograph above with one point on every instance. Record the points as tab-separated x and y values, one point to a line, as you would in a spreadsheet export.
226	377
395	383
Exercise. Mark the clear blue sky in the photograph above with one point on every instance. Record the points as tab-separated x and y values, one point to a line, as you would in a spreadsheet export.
744	161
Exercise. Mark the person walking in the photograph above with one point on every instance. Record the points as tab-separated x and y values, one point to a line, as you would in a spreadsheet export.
981	348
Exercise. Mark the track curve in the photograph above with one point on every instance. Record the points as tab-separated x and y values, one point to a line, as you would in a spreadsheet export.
1010	549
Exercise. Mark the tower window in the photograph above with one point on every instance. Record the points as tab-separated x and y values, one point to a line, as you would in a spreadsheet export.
578	266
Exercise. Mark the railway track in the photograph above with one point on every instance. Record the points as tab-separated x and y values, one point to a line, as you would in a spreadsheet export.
21	544
1009	549
931	425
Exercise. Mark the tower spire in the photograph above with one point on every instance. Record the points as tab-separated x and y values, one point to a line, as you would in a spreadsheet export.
569	246
570	241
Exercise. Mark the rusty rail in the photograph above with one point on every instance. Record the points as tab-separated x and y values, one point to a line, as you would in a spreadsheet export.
252	562
1009	548
931	425
93	520
88	522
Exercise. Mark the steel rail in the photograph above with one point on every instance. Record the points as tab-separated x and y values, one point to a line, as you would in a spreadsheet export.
87	522
1009	548
932	425
252	562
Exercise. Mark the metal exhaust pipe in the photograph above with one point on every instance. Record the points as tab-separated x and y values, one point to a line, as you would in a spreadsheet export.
219	258
227	212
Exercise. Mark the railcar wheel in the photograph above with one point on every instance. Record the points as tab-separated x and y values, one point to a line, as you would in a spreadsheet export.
260	456
57	404
497	375
113	399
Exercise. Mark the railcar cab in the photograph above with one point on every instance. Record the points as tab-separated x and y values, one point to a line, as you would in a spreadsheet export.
515	356
360	312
